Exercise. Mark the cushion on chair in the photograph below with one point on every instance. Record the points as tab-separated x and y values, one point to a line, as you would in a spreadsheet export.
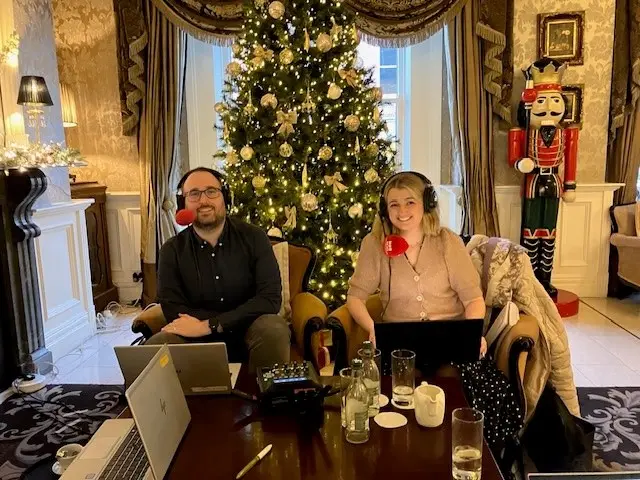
299	261
625	219
281	251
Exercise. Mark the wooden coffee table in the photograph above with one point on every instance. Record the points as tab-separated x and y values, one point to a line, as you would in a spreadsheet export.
227	431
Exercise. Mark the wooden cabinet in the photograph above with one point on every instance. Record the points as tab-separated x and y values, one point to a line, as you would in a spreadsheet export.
100	263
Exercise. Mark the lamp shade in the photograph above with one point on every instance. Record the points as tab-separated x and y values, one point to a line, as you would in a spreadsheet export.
34	91
68	104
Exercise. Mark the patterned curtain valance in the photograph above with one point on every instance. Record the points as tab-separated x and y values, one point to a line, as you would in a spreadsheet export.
400	23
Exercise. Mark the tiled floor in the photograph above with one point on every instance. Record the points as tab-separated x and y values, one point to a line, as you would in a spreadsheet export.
604	339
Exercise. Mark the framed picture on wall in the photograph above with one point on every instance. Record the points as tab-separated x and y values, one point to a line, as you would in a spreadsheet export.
561	36
573	97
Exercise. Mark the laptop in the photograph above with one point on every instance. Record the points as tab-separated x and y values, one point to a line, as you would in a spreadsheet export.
202	368
625	475
142	448
435	342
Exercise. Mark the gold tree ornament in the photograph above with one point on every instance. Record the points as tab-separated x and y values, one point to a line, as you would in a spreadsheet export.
286	122
308	106
258	182
261	55
350	76
371	176
246	152
234	69
236	49
334	92
286	56
250	109
356	210
260	3
324	42
331	235
220	108
356	147
376	94
307	40
269	100
290	213
352	123
305	177
372	150
309	202
232	158
336	30
325	153
276	9
275	232
376	115
286	150
335	181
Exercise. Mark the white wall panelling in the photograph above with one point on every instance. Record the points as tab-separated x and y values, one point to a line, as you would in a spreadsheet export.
581	259
64	276
124	225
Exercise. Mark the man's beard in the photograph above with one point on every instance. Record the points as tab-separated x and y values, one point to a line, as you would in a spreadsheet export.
209	225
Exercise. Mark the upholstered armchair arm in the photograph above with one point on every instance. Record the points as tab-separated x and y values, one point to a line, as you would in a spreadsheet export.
149	322
512	352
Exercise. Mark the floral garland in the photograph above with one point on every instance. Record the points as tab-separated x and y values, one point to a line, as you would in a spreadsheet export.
38	155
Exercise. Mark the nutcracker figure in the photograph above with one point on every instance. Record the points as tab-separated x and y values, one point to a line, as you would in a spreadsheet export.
538	148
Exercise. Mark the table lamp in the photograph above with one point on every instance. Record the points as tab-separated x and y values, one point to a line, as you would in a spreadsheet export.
34	95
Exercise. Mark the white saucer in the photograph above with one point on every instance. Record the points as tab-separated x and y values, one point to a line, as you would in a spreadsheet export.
402	407
390	420
383	400
56	468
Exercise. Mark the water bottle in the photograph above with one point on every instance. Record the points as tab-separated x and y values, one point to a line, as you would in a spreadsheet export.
357	403
371	377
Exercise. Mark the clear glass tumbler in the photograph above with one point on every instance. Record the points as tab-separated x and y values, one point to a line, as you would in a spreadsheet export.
403	368
466	443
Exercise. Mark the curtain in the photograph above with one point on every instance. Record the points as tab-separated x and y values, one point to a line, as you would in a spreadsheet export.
159	135
623	159
471	122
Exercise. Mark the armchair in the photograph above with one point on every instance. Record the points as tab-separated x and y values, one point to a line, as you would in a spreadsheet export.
624	265
307	311
511	351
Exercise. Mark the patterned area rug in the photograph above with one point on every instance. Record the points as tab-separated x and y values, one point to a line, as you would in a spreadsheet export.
32	427
615	412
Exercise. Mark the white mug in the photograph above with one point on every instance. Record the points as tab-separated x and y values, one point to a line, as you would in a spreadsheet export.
67	454
429	405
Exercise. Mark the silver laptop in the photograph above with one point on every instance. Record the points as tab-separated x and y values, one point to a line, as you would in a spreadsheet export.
203	368
141	448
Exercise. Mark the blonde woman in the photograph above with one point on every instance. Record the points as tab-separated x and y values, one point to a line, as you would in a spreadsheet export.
433	280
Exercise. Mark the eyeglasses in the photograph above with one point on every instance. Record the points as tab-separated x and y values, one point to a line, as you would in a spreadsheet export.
211	192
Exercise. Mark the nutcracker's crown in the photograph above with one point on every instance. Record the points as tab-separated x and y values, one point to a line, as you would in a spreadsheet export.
550	75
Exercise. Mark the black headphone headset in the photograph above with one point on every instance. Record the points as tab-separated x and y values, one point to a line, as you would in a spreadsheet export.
429	196
226	193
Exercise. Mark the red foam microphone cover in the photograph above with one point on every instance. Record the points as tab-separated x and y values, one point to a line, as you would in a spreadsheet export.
395	245
185	217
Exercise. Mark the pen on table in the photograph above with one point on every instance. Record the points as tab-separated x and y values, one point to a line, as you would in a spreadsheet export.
255	460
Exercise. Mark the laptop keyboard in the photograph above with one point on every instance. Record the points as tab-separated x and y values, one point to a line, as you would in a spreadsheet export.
130	461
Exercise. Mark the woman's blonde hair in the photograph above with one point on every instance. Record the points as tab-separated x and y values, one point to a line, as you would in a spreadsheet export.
413	183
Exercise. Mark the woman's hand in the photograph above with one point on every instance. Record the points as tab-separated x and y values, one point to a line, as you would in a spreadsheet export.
483	347
372	337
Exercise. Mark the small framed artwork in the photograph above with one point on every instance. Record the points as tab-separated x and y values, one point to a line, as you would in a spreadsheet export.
573	96
560	36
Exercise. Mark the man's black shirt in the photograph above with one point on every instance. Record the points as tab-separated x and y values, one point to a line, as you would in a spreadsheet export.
233	282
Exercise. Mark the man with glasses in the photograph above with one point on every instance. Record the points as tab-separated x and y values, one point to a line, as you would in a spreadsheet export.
218	280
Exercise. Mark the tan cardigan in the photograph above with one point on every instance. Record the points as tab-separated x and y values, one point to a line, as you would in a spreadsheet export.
443	282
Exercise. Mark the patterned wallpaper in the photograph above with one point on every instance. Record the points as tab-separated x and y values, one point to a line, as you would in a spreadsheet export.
86	48
34	23
595	74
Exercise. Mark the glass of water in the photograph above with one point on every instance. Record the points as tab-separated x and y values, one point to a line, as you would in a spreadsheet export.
345	381
466	443
403	367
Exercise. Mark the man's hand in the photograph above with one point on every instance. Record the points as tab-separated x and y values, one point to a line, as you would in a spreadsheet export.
188	326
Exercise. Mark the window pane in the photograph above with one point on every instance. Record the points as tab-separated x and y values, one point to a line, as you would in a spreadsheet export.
389	80
389	56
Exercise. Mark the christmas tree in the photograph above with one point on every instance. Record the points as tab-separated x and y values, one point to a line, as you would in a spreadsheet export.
305	147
